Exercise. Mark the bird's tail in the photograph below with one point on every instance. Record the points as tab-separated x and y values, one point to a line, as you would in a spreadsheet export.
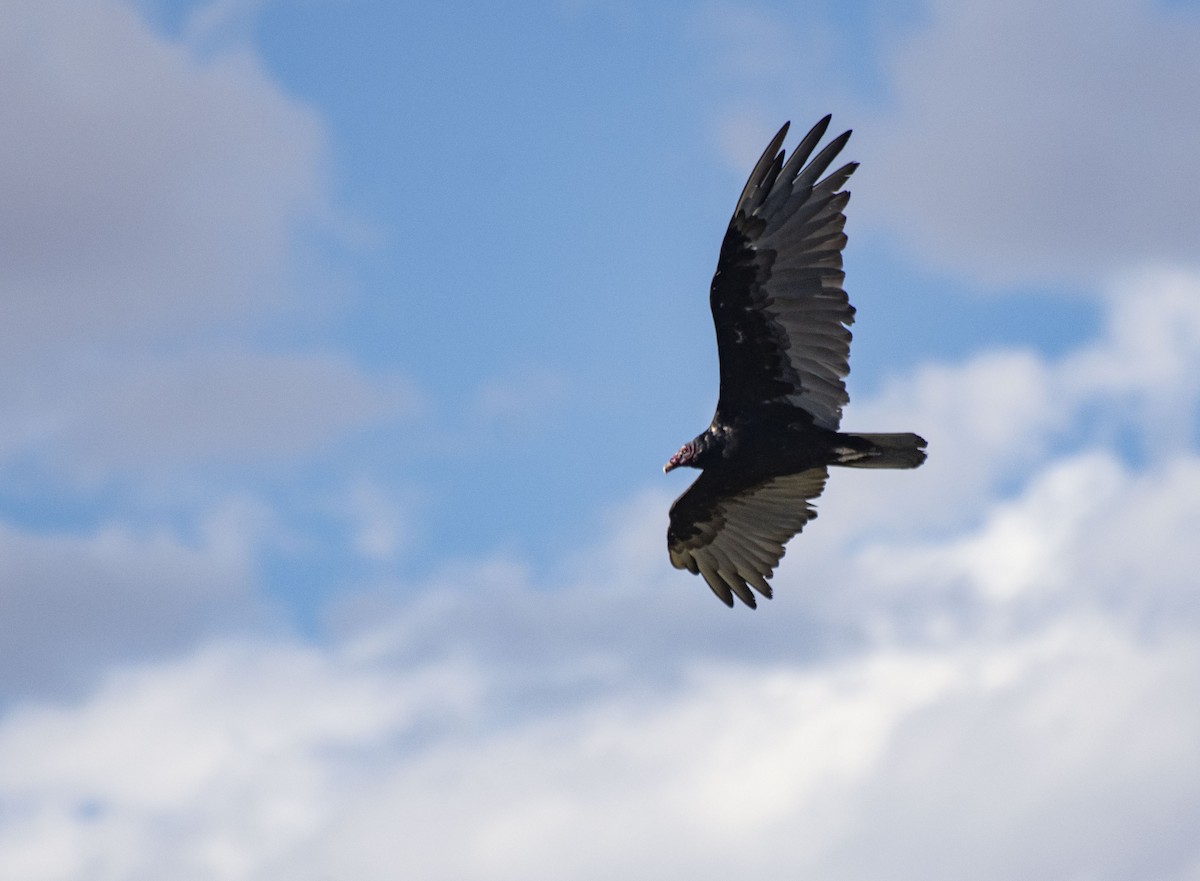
906	450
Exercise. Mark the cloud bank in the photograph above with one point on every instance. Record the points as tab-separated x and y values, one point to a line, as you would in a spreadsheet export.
1009	696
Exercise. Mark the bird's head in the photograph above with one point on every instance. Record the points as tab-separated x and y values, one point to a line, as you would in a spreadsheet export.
685	456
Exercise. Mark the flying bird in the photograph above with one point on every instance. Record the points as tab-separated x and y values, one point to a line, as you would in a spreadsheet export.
782	319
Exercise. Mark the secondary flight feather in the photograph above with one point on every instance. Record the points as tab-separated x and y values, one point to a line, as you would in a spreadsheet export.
782	320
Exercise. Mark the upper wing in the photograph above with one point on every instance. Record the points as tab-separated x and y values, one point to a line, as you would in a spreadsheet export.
734	537
777	300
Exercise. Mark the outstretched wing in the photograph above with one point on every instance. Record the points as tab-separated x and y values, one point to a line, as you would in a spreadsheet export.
777	300
734	536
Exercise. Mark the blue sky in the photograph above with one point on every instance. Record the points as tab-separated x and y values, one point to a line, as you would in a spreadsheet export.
343	346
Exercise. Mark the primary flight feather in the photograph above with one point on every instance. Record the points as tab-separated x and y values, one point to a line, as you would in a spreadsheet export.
782	320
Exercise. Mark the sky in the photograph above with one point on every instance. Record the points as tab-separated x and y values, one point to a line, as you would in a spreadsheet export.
343	343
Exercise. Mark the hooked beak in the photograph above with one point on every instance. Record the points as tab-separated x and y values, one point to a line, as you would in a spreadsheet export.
672	464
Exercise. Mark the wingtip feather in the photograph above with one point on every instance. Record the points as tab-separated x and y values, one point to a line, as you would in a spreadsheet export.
770	156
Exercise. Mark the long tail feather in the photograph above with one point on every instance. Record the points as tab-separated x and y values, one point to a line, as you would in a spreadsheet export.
905	450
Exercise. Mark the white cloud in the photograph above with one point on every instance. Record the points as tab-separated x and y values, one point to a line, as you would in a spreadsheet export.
1086	536
1146	370
1032	141
144	414
215	20
985	420
146	192
1061	746
1001	413
382	525
73	603
153	202
1067	753
213	794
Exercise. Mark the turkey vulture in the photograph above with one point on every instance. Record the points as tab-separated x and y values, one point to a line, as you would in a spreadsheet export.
781	317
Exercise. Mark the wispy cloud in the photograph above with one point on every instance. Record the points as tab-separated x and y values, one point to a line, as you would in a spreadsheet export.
191	409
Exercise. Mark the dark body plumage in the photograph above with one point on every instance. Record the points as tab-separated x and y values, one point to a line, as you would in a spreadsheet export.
782	321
